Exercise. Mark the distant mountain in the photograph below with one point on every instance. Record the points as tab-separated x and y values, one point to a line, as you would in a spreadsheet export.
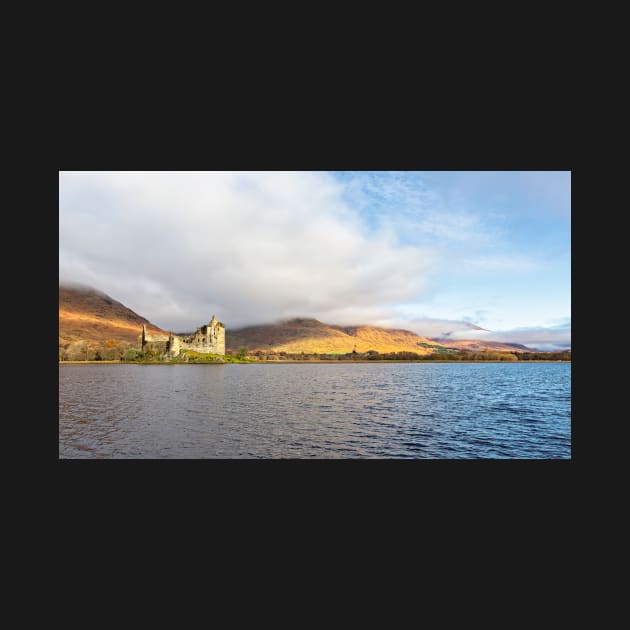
312	336
86	314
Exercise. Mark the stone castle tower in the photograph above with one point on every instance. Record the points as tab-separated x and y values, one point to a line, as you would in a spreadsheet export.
207	339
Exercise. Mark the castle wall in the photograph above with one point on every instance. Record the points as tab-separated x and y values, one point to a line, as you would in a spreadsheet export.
207	339
174	345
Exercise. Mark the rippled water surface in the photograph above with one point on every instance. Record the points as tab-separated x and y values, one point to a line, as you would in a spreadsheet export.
413	410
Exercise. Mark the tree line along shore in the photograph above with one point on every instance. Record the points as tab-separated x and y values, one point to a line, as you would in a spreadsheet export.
242	355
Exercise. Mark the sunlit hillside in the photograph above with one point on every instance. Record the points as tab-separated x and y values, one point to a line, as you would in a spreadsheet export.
89	315
313	336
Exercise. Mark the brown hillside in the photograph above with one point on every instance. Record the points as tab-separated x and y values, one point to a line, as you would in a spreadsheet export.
89	315
313	336
390	339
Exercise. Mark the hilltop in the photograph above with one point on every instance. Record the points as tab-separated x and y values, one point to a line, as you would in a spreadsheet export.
312	336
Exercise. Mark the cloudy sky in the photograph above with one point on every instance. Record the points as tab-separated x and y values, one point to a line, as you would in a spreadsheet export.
415	250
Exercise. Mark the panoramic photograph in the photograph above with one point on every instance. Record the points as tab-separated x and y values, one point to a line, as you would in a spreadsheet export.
315	315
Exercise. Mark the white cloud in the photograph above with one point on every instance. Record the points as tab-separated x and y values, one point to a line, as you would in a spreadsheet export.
540	338
248	247
426	326
402	202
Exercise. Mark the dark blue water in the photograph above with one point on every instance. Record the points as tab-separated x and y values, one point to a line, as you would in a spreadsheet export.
413	410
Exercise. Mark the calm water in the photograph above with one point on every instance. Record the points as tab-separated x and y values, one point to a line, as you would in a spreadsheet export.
440	410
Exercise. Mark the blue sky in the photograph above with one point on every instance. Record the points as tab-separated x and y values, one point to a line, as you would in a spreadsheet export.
505	237
409	249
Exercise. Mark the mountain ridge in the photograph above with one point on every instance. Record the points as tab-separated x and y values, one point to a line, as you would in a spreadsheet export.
310	335
89	315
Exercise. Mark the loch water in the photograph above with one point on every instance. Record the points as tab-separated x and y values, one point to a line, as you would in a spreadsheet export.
336	410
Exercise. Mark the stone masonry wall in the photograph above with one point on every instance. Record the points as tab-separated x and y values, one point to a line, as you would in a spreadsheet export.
208	339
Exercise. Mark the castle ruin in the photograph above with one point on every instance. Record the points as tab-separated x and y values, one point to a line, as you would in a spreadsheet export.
207	339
